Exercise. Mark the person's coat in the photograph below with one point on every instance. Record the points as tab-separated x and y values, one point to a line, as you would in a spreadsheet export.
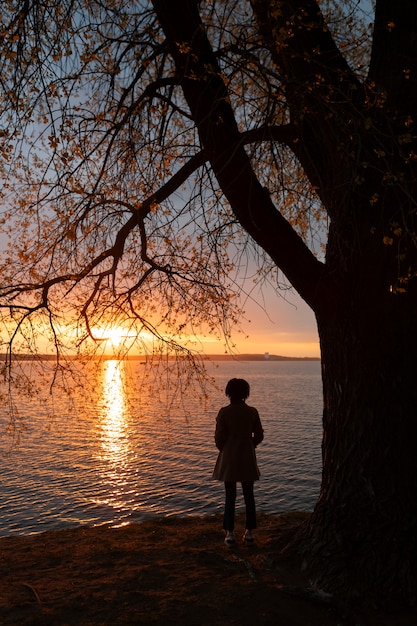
238	432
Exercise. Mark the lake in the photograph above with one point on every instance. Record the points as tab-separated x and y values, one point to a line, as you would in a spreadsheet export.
140	443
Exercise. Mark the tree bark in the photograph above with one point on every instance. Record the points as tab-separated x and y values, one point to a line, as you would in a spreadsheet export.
362	538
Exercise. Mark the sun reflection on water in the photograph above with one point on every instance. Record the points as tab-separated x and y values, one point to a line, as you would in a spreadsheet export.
115	456
114	411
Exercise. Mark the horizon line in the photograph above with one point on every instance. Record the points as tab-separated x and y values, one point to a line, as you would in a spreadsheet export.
259	356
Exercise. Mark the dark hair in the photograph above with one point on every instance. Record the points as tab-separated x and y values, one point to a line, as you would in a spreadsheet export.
237	389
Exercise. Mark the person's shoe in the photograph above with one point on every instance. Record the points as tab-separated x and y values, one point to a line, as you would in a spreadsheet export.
230	540
248	537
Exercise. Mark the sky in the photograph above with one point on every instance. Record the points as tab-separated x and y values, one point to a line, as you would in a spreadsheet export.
287	328
290	328
276	321
283	326
280	322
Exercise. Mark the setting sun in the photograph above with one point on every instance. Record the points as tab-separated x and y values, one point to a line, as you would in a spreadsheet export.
114	336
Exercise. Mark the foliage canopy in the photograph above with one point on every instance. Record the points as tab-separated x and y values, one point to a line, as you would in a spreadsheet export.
110	202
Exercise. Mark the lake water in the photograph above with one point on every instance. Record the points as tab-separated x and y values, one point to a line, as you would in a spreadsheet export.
127	450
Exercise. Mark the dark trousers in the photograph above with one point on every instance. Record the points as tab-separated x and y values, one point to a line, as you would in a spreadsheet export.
229	507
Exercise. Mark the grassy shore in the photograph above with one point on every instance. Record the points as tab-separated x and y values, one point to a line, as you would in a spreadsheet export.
167	571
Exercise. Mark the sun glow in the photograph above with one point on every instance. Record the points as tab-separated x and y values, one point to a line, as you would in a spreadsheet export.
116	338
114	335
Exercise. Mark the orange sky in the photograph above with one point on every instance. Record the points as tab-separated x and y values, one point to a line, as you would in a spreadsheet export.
289	328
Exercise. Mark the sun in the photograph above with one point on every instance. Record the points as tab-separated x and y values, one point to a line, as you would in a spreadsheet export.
113	336
116	335
116	339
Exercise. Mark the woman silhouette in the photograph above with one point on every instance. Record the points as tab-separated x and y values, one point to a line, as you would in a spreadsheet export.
238	432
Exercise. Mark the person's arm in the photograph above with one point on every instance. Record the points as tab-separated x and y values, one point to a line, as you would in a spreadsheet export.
221	433
258	431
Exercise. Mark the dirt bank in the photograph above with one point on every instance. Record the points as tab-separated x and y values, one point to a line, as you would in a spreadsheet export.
166	571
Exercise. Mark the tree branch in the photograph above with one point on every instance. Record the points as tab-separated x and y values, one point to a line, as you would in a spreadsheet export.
207	98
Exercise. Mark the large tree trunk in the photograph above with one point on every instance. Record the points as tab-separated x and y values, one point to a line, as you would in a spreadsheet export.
362	537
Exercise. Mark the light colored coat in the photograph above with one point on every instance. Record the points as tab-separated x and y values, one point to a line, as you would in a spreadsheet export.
238	432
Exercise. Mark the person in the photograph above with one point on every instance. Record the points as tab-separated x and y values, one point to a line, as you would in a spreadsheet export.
238	432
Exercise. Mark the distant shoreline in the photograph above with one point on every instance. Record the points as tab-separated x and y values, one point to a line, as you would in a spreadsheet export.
257	357
143	357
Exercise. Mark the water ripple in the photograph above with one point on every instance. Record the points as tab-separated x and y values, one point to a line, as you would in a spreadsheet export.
122	458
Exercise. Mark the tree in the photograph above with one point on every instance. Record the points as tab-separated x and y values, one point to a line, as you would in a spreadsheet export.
274	115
